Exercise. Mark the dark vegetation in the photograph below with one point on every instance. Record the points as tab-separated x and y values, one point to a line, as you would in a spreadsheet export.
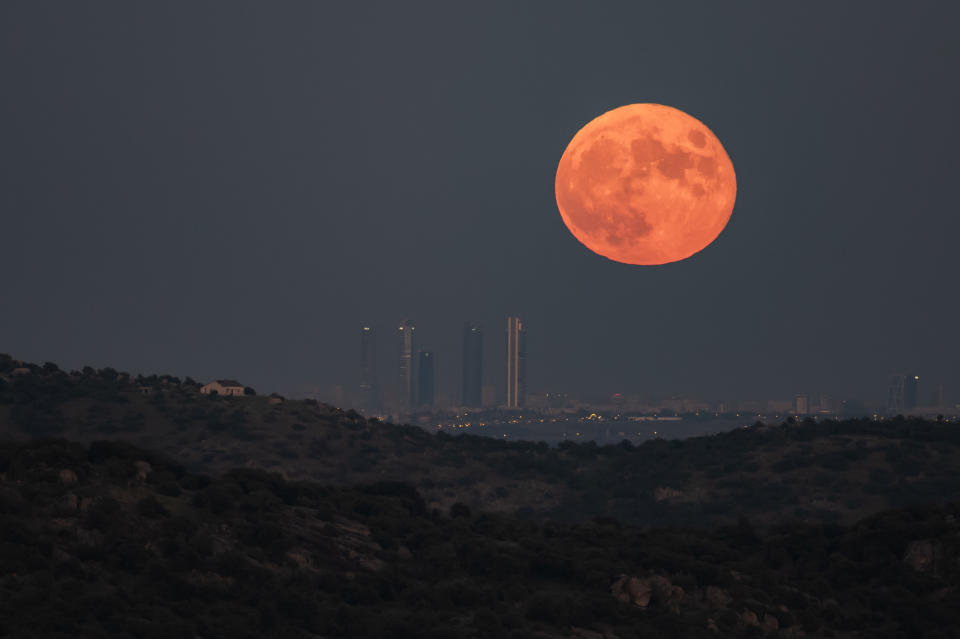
823	472
298	519
107	539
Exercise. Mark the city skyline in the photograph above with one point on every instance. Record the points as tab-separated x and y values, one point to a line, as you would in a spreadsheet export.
903	392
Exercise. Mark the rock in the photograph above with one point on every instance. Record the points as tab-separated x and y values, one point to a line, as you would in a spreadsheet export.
299	557
143	469
717	597
749	618
68	477
641	592
770	623
922	555
632	590
665	594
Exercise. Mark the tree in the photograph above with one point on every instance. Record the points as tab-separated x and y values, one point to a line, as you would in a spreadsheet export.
249	391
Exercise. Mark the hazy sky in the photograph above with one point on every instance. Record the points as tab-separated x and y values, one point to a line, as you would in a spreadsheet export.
233	189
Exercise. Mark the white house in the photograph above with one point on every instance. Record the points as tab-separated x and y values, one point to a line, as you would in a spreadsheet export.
223	387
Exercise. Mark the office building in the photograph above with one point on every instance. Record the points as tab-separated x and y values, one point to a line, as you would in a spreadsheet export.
937	398
895	394
801	404
425	378
516	362
472	395
405	333
910	384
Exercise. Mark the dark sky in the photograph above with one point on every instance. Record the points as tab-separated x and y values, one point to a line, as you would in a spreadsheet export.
233	189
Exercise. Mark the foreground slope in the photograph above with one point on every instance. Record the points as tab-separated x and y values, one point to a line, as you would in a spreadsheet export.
111	540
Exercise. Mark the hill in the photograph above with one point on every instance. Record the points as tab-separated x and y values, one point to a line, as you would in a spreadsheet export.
110	540
819	472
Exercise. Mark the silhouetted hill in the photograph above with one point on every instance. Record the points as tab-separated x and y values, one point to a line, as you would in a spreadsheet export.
109	540
817	472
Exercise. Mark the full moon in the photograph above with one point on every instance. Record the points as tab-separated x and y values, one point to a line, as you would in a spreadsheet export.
645	184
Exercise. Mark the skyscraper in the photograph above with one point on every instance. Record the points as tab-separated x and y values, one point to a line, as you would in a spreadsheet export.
516	362
472	365
405	332
895	393
425	379
368	369
937	398
910	385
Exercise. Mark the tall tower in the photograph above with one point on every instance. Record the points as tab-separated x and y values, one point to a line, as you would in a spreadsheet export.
405	332
368	368
472	365
895	393
516	362
425	378
937	397
910	385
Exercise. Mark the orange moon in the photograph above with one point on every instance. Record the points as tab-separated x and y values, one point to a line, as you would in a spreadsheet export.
645	184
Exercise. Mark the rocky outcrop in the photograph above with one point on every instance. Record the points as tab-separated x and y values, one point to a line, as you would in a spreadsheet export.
642	592
770	623
749	618
632	590
143	469
765	622
922	555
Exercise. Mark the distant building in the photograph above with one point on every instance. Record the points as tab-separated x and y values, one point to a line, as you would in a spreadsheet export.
516	362
895	394
936	399
489	398
369	399
425	378
472	395
222	387
826	404
801	404
910	384
405	333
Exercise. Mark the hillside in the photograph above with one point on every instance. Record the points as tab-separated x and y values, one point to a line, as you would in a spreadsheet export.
111	540
826	472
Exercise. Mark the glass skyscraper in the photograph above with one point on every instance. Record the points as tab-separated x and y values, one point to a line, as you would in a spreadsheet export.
516	362
405	333
472	365
425	378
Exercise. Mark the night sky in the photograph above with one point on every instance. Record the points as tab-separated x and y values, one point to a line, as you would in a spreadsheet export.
233	189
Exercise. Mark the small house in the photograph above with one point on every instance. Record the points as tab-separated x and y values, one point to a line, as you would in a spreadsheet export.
222	387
